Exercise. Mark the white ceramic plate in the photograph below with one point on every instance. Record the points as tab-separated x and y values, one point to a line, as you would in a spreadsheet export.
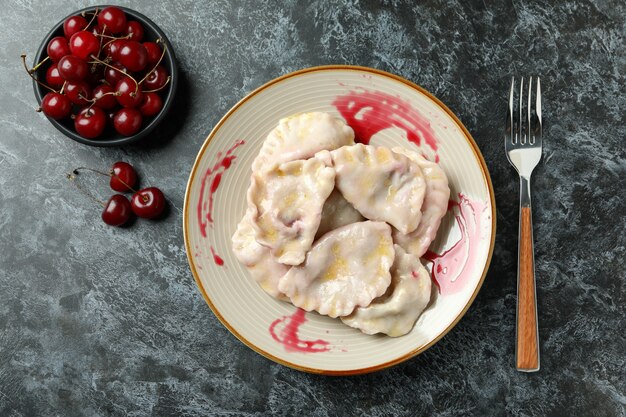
390	110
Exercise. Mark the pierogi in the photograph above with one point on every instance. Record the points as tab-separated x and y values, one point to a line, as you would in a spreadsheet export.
300	137
346	268
286	206
338	228
433	209
380	184
396	312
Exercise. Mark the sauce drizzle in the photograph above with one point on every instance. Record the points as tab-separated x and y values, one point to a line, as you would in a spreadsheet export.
369	112
213	177
288	334
452	268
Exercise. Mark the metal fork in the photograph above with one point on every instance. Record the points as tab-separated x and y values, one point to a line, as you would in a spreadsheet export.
523	145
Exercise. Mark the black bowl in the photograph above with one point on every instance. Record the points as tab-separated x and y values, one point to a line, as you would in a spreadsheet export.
110	137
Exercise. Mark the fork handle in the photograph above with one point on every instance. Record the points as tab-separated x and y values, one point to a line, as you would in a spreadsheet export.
527	350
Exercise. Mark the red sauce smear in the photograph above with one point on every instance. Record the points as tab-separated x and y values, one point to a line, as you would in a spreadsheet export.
212	178
288	334
453	267
369	112
216	258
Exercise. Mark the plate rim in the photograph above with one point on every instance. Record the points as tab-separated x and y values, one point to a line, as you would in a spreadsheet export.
341	67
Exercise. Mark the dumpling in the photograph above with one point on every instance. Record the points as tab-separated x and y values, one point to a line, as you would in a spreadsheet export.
434	207
337	212
382	185
286	206
346	268
300	137
257	259
396	312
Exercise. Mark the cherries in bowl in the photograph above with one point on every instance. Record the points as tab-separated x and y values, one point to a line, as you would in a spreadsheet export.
136	31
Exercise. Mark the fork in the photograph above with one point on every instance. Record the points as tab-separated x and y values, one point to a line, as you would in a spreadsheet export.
523	146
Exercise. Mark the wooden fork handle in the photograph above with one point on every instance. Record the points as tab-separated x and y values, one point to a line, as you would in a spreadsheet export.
527	351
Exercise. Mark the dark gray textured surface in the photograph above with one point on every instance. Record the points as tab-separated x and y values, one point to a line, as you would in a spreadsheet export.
102	321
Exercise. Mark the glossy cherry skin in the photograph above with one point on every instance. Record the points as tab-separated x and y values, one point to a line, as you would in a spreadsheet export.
78	92
74	24
156	79
99	30
127	121
148	203
90	122
133	56
154	53
135	30
112	49
115	76
56	106
129	95
58	47
53	77
152	104
72	68
105	97
113	18
123	177
117	211
83	44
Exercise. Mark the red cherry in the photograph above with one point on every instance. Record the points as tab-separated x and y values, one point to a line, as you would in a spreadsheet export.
113	76
127	121
148	203
56	106
90	122
129	94
123	177
83	44
58	48
156	79
72	68
53	78
113	18
74	24
133	56
154	53
78	92
117	210
152	104
112	49
135	29
99	30
105	98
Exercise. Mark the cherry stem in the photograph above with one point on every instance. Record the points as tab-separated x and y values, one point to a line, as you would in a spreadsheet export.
109	174
160	88
35	79
72	177
33	69
156	65
95	14
113	38
99	61
63	87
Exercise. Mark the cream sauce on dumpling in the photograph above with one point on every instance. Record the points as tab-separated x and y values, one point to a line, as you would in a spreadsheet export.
257	259
300	137
396	312
382	185
433	209
286	204
345	268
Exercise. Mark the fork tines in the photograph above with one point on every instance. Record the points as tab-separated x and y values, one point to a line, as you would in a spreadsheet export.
523	130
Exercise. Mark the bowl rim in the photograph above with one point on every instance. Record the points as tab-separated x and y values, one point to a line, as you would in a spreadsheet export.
409	355
169	57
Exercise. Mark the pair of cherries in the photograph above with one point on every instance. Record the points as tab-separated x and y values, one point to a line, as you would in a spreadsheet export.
147	203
